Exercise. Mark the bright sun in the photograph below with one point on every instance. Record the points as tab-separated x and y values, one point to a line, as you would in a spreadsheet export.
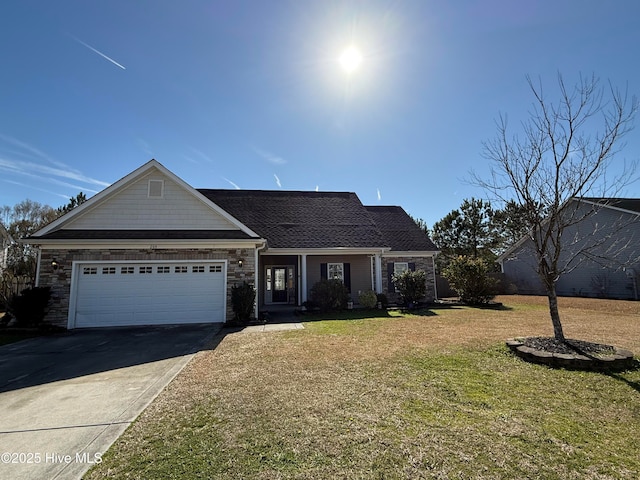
350	59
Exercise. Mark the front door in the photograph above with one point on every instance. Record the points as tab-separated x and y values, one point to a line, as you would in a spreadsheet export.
279	279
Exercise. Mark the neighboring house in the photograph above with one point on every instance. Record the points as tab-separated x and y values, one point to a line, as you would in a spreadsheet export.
5	241
150	249
602	251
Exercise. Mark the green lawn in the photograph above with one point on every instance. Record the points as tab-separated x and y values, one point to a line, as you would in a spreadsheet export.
400	396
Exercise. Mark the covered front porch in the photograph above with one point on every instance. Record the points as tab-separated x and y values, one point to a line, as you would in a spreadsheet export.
286	278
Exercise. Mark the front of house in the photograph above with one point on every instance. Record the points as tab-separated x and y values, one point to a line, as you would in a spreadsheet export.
150	249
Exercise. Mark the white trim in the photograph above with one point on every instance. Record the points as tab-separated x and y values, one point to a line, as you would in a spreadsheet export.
410	254
256	276
131	177
75	276
341	271
150	244
606	205
324	251
303	274
378	260
435	282
37	282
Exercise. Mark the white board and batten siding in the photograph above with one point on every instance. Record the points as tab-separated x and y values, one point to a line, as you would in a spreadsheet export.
152	202
110	294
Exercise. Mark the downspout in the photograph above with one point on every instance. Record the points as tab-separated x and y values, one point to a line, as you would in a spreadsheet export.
256	310
37	281
435	279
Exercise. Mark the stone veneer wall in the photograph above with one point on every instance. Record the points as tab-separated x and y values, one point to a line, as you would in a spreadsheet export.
60	280
425	264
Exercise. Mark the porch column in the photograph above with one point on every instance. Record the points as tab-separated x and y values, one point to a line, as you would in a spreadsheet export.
378	260
303	277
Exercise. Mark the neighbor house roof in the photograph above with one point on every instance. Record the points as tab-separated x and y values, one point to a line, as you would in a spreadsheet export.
399	230
630	204
295	219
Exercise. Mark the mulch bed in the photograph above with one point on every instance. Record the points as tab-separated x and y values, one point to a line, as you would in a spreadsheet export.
569	346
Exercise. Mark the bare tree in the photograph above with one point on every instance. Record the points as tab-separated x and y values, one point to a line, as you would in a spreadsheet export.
563	152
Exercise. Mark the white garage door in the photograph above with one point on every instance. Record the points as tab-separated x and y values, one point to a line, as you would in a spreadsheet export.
156	293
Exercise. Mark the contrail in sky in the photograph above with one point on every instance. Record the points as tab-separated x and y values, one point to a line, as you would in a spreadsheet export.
277	181
98	52
231	183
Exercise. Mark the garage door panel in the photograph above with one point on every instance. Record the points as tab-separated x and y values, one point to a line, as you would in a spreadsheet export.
149	294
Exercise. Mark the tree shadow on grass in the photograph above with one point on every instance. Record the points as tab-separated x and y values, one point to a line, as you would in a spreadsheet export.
619	375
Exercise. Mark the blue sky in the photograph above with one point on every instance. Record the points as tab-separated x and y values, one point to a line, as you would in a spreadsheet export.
250	94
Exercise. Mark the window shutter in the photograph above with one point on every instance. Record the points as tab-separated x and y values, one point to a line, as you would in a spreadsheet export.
347	276
412	267
390	287
323	271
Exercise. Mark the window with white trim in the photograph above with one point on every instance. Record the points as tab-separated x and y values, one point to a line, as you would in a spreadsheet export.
90	270
335	271
181	269
215	268
399	268
108	270
163	269
127	270
197	269
146	270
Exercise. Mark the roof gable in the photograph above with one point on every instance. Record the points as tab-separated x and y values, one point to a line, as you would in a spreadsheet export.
150	198
631	205
624	205
399	230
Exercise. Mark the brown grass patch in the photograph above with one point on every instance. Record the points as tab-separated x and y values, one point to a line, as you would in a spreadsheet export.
419	396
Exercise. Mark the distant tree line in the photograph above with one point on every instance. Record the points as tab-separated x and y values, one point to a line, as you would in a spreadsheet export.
20	221
476	230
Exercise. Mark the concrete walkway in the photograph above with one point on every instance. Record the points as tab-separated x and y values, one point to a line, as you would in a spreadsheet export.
66	399
272	327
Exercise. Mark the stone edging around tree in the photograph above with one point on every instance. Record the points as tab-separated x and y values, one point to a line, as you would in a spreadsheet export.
619	360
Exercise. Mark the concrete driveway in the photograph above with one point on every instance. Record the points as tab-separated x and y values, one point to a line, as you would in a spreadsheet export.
65	399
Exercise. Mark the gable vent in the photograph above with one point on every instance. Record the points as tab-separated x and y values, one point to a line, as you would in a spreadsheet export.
156	188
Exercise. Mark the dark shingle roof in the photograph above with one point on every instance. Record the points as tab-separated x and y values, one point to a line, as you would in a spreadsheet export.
400	232
291	219
631	204
145	235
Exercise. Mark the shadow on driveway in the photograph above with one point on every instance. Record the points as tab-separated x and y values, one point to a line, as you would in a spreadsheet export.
78	353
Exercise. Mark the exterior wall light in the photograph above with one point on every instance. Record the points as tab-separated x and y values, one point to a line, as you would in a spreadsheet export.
54	264
240	262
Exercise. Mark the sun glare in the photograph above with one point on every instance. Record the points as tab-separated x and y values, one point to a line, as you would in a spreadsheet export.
350	59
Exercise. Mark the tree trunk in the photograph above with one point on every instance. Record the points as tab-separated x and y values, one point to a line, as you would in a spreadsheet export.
555	315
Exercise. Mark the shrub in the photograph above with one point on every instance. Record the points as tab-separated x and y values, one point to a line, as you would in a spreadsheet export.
30	307
383	300
243	297
469	278
411	286
368	299
329	295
